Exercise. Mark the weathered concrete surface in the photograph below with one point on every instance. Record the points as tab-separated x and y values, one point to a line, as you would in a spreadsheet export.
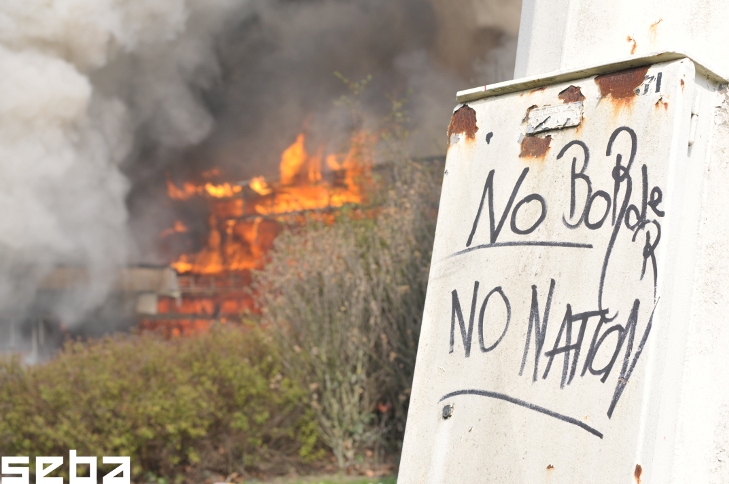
575	319
701	452
567	34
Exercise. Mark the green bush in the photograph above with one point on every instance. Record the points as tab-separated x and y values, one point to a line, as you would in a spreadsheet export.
217	402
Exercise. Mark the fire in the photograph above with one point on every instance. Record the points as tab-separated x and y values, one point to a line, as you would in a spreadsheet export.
177	228
332	163
244	219
222	191
259	185
233	240
187	191
292	161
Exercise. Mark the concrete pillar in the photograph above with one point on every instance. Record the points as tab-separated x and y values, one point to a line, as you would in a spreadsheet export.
563	35
499	394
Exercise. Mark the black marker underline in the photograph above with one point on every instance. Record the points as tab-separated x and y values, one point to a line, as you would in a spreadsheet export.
573	245
522	403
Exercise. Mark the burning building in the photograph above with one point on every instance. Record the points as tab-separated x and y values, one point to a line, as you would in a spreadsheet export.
160	141
243	220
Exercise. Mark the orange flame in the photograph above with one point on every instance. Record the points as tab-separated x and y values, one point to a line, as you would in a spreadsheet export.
315	167
332	163
292	159
223	190
177	228
187	191
211	173
234	242
259	185
242	225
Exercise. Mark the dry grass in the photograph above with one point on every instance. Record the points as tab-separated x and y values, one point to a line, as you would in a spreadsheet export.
346	300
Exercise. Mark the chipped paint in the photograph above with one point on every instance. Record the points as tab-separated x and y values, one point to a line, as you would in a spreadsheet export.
550	467
637	473
529	110
621	86
554	117
463	121
661	102
534	146
572	94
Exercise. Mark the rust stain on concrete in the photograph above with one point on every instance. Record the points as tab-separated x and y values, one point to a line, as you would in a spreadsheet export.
635	44
535	147
638	472
660	103
653	29
463	121
621	86
572	94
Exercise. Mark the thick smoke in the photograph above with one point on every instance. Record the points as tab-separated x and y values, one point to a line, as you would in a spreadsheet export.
277	79
278	67
104	100
80	79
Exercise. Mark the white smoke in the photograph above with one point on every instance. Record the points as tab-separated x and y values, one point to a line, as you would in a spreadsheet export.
80	79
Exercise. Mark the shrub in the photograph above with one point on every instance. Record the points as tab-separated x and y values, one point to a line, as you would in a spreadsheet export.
216	402
346	300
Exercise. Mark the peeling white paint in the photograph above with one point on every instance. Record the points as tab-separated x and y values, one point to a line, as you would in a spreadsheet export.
561	116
